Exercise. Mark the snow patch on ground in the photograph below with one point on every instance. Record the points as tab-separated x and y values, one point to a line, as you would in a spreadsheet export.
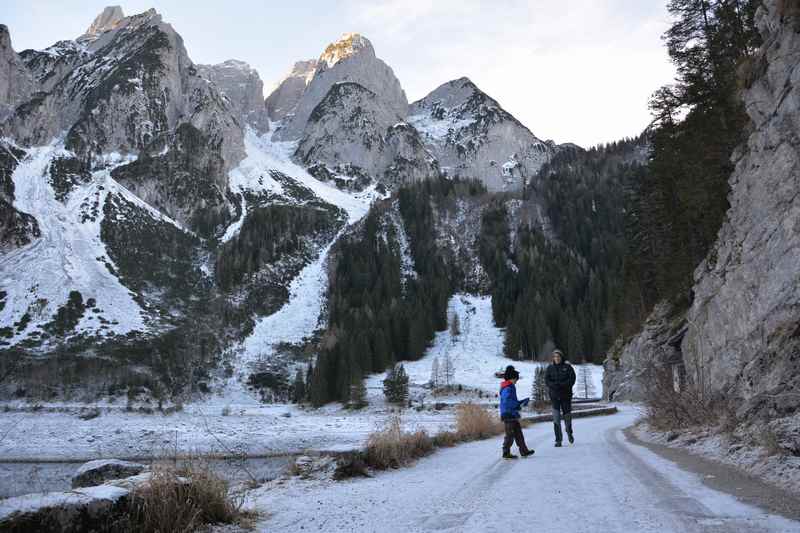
437	129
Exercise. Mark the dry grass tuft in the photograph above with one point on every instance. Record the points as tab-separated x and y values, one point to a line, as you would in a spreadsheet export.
182	501
393	447
474	422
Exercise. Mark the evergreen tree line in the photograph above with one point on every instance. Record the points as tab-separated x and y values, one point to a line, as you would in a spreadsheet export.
674	210
560	290
376	317
267	234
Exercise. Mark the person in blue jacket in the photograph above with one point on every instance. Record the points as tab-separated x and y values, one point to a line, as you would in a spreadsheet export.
509	414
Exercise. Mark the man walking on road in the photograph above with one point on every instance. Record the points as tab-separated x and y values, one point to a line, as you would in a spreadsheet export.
560	377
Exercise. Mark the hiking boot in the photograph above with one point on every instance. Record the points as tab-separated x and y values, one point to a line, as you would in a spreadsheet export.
558	445
509	455
527	453
571	438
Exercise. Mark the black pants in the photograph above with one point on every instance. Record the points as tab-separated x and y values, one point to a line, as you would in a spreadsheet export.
514	434
562	406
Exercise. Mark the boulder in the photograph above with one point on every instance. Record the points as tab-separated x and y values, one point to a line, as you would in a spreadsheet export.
100	471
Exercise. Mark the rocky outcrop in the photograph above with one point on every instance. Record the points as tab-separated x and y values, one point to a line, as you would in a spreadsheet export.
283	99
102	470
626	370
743	340
134	84
109	19
243	87
473	137
16	228
350	59
16	81
352	128
128	86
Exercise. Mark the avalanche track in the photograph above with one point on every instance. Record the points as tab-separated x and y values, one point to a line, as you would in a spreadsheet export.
601	483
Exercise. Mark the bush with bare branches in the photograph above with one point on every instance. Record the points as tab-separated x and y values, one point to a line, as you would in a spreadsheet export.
474	422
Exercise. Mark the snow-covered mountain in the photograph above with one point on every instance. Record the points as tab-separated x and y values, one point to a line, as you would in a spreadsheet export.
155	214
473	137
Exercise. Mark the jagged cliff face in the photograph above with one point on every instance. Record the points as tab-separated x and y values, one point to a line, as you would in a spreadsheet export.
243	87
283	99
351	132
351	59
743	339
473	137
16	81
126	87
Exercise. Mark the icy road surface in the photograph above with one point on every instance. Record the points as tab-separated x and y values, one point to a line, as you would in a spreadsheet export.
602	483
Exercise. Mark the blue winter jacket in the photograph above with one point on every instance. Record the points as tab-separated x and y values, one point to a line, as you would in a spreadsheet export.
509	405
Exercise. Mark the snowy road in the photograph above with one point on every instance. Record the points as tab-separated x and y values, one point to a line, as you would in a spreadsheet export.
603	483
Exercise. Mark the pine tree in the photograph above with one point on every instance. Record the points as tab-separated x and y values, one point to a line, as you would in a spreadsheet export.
455	327
435	377
585	382
538	388
448	371
299	387
395	386
358	394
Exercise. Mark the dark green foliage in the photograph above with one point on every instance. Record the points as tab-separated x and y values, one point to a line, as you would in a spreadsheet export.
560	290
270	233
674	211
358	394
375	316
298	387
395	386
65	174
67	316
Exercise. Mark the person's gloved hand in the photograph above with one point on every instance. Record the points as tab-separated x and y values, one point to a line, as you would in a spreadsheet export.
524	401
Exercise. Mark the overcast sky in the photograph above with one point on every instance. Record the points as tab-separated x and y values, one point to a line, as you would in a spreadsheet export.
571	70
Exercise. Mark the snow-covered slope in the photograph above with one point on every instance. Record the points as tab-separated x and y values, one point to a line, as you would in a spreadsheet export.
68	256
477	353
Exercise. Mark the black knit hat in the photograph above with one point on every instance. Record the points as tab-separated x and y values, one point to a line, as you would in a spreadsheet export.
510	373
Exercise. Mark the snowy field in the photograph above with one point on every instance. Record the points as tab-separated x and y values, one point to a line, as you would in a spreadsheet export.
601	483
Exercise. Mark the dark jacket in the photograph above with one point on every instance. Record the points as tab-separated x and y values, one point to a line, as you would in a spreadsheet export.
509	405
560	379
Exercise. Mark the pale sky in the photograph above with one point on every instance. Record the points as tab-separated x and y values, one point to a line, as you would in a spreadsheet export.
571	70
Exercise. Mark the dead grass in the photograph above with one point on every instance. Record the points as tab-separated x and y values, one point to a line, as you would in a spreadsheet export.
183	501
393	447
474	422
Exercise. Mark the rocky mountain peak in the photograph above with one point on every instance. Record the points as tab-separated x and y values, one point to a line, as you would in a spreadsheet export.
350	59
16	81
287	92
109	19
348	45
243	87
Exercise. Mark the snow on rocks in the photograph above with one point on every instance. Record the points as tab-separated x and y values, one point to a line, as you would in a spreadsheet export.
102	470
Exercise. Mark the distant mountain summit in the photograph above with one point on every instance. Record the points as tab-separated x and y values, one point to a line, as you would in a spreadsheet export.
350	59
472	136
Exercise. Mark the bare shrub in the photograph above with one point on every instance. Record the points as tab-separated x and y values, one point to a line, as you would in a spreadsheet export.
349	466
182	501
668	409
393	447
769	440
474	422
